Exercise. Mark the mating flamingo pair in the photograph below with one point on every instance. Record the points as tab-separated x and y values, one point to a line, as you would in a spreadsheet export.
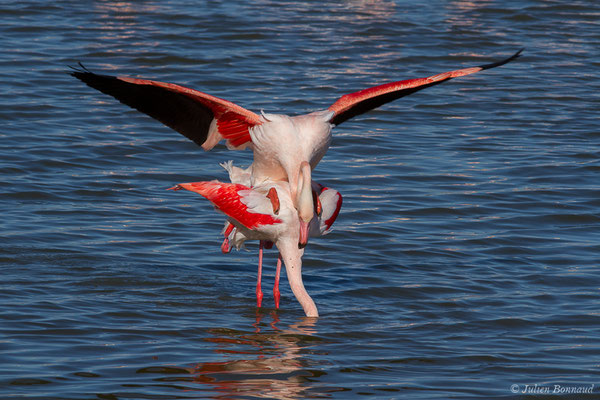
274	200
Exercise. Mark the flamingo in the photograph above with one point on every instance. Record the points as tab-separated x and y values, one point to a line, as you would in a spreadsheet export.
266	212
327	205
280	143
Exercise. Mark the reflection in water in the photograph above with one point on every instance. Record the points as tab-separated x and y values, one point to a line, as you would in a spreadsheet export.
268	364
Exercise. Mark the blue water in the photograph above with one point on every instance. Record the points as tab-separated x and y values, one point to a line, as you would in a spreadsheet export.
464	261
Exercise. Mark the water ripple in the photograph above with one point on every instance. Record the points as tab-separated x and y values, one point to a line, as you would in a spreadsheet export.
464	260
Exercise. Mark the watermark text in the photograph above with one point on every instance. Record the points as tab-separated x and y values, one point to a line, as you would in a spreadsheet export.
552	389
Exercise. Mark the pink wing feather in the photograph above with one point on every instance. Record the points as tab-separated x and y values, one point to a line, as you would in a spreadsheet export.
226	198
187	111
353	104
338	206
331	204
233	121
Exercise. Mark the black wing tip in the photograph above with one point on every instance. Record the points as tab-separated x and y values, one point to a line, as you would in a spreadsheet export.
78	71
90	78
505	61
84	74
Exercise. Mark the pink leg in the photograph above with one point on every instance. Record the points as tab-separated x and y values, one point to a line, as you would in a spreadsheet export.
276	294
259	293
225	247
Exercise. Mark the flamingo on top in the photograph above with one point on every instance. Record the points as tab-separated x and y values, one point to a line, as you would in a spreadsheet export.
280	143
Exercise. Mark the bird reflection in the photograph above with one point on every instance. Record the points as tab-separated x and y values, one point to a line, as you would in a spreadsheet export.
267	364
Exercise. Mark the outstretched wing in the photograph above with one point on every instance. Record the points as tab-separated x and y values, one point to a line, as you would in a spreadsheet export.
228	198
353	104
203	118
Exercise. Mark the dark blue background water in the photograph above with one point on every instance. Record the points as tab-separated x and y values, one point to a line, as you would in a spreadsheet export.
465	259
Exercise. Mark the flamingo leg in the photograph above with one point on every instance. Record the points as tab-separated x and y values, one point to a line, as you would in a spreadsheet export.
259	293
276	293
225	247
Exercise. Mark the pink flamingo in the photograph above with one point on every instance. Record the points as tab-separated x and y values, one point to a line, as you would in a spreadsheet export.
266	212
280	143
326	204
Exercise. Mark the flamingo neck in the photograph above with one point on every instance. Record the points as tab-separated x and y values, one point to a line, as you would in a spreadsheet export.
292	257
304	200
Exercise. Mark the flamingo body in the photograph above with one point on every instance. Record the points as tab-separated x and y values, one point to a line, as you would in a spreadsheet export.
322	221
284	232
279	222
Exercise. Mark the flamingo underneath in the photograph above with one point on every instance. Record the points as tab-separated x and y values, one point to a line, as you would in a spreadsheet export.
266	212
280	143
326	204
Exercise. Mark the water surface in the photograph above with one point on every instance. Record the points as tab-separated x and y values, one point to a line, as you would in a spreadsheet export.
465	259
